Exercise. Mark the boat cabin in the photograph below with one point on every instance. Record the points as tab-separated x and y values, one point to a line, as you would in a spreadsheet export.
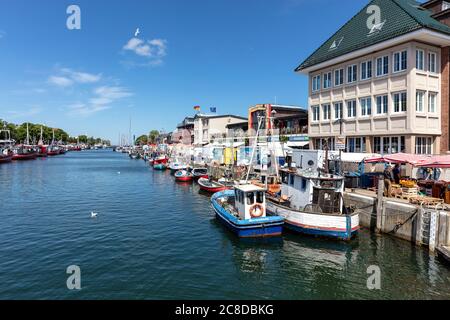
250	202
314	192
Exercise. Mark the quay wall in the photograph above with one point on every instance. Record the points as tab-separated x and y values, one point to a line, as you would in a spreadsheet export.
402	220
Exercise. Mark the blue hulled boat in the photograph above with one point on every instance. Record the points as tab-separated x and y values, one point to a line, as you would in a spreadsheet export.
243	211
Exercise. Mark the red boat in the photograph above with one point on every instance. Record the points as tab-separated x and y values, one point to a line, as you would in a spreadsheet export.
24	153
184	176
42	151
52	150
211	186
5	156
160	160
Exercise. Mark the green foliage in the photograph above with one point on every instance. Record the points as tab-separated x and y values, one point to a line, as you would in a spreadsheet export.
19	134
142	140
153	136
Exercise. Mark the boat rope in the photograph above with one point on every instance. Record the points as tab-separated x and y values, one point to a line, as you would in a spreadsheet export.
401	224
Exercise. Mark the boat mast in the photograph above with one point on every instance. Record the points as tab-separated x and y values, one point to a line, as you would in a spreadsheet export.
28	136
260	121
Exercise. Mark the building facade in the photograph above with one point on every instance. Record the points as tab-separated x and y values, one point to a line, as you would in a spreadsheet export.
290	122
381	83
209	127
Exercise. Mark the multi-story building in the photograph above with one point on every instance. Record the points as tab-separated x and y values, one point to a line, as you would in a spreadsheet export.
209	127
381	82
185	132
287	121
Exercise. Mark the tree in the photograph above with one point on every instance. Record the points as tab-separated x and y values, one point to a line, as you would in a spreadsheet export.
142	140
153	135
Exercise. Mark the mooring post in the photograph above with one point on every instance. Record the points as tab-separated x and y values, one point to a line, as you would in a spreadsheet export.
380	204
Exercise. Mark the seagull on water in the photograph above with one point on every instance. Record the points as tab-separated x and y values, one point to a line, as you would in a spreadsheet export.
94	214
137	33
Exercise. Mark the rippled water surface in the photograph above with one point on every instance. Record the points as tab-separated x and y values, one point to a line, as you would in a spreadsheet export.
156	239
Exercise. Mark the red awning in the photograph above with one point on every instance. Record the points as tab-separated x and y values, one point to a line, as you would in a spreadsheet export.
412	159
436	162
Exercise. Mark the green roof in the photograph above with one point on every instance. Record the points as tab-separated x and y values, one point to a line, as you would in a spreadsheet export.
399	16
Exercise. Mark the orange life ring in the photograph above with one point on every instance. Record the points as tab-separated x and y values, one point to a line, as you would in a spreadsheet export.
255	213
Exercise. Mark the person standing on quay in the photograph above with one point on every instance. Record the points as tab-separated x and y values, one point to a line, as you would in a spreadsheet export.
396	173
388	179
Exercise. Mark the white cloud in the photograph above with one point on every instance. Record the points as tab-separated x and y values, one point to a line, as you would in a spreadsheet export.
68	77
103	98
82	77
154	50
24	114
60	81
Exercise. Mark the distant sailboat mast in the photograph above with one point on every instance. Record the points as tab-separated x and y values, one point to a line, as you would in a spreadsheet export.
41	138
28	136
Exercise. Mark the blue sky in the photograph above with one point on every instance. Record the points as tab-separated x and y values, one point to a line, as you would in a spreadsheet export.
228	54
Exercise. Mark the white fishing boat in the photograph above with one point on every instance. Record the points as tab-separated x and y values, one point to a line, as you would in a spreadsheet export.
311	199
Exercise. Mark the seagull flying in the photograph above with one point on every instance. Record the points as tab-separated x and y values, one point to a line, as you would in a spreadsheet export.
137	32
94	214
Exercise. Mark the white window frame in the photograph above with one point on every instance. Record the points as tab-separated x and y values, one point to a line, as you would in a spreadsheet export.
315	87
354	73
365	69
400	65
435	95
420	101
435	60
384	107
327	80
365	105
326	112
384	71
337	77
420	65
338	110
353	116
315	110
402	108
424	145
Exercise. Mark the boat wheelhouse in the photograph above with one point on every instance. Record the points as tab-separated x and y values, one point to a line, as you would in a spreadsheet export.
243	211
312	203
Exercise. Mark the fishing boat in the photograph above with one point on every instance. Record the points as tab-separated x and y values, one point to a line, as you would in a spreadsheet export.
135	155
5	146
53	150
311	201
243	211
200	173
160	166
5	155
211	186
42	151
23	152
176	166
62	150
183	176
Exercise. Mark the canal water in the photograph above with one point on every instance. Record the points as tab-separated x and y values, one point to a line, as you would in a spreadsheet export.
157	239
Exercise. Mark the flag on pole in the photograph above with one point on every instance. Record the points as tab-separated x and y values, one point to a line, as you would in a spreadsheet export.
197	108
213	109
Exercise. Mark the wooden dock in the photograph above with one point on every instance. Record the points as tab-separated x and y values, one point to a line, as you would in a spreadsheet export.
444	252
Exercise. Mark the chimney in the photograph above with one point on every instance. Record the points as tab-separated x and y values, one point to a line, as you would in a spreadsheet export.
440	10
